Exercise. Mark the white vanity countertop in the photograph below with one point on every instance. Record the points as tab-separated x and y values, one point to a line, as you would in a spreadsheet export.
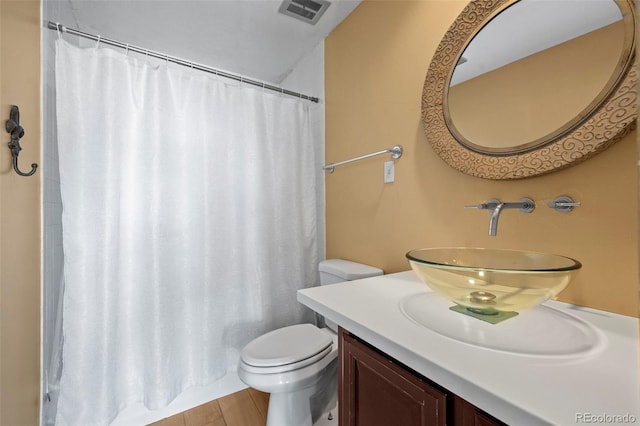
517	389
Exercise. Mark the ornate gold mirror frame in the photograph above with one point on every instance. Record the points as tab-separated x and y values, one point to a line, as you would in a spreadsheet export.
605	121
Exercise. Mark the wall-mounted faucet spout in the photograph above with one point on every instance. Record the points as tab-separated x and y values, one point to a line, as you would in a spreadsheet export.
525	205
493	222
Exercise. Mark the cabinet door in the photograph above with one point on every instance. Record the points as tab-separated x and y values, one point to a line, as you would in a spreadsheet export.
466	414
374	391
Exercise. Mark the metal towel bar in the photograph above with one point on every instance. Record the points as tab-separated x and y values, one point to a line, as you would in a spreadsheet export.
396	152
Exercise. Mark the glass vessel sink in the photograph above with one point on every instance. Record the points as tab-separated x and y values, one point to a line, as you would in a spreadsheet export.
489	282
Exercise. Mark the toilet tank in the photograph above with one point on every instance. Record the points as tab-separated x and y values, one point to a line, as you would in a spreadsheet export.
339	270
334	271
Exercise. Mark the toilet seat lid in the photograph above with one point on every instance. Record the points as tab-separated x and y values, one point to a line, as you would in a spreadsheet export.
285	345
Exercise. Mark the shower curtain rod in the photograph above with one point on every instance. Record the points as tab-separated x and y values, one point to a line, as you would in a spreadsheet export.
61	28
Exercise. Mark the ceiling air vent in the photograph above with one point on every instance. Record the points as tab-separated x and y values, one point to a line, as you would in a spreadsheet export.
306	10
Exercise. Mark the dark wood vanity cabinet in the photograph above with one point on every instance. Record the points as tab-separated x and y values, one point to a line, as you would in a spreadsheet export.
376	390
463	413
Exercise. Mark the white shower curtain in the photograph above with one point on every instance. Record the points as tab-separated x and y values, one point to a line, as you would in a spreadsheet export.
189	223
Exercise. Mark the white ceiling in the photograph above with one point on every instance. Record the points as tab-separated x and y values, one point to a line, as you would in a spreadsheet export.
250	37
247	37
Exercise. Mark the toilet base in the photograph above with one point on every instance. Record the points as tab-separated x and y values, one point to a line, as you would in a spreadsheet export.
290	408
324	419
289	411
307	406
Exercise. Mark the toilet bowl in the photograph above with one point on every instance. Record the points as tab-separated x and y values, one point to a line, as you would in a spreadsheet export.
295	377
298	364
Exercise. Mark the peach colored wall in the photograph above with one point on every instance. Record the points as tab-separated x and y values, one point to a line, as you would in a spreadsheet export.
375	65
20	217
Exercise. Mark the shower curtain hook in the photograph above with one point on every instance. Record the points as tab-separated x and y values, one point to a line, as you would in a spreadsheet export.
166	57
126	50
58	30
98	41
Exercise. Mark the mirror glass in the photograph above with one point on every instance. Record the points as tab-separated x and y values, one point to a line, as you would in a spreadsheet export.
518	88
531	72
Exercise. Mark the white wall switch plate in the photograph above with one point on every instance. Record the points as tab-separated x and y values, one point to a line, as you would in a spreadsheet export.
389	173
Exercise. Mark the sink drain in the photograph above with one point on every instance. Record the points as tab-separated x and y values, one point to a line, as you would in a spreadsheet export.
482	297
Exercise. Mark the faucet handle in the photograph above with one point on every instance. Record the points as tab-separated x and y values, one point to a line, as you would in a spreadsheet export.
563	204
482	206
489	205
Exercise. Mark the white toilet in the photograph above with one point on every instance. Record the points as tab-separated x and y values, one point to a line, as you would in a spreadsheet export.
298	364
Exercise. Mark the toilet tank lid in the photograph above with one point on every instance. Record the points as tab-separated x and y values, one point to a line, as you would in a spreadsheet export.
348	270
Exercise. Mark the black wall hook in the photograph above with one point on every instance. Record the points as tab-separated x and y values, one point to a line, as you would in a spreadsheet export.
15	129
